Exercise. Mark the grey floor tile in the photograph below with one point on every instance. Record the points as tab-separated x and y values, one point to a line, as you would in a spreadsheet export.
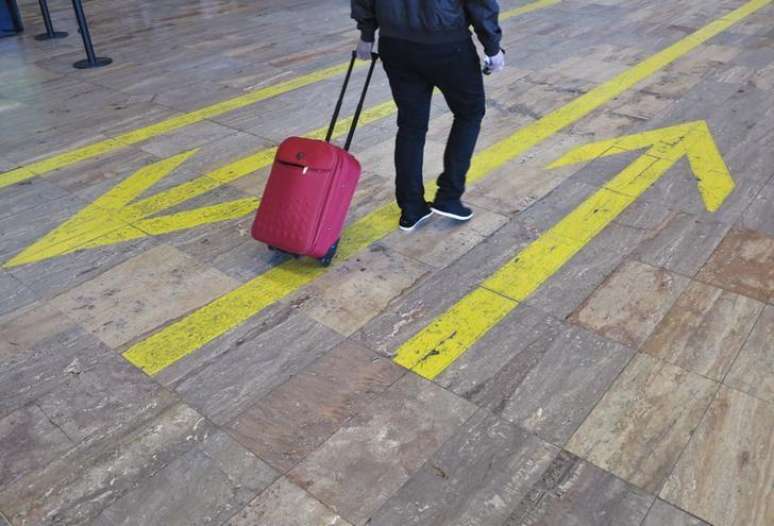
682	245
575	492
223	388
287	504
357	470
299	415
664	514
204	486
551	374
76	487
478	477
28	442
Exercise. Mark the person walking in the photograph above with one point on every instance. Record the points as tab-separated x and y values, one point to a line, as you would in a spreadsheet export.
427	44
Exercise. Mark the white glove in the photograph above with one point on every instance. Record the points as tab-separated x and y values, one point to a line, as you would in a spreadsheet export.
495	63
364	49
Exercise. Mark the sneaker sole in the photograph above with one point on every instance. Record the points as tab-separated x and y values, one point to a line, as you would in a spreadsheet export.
419	221
452	216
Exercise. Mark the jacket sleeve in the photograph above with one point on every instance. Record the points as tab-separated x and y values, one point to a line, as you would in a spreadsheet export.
483	16
364	13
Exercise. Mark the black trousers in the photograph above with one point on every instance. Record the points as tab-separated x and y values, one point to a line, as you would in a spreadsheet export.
413	71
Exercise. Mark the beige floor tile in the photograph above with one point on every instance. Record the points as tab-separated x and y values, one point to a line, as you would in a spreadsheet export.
753	370
640	427
349	296
142	293
704	330
629	305
743	263
286	504
726	475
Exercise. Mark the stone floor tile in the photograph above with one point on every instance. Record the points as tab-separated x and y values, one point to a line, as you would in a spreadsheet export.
682	245
301	414
572	491
40	348
742	264
204	486
753	370
547	377
350	295
664	514
28	441
286	504
13	294
441	241
99	399
377	451
250	366
478	477
705	330
566	290
187	138
433	295
641	425
17	198
19	230
52	277
629	305
759	216
142	294
76	487
726	474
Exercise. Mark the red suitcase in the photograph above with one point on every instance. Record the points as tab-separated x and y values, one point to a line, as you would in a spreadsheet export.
309	190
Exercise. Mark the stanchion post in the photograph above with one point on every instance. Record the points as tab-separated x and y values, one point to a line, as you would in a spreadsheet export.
50	34
92	60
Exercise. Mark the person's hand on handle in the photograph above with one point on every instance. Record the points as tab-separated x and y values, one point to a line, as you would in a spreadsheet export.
363	50
494	64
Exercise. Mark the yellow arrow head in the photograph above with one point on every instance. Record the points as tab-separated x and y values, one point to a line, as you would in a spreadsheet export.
665	147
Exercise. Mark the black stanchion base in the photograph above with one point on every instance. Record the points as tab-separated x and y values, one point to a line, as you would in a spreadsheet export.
85	64
54	35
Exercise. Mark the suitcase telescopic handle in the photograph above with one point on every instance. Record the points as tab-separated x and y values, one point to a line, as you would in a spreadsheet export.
361	102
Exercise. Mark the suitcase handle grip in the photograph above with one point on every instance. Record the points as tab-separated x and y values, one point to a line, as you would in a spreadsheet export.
359	109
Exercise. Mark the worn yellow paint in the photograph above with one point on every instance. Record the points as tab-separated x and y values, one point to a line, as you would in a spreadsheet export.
528	270
228	312
472	317
527	8
500	153
106	215
112	219
63	160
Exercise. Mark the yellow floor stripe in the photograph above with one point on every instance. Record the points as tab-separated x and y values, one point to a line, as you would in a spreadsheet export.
224	314
56	162
112	219
525	273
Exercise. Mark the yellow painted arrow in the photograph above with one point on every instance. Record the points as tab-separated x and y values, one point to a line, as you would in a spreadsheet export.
116	217
436	347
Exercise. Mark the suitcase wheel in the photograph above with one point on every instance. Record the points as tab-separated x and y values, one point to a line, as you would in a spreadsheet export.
275	249
328	257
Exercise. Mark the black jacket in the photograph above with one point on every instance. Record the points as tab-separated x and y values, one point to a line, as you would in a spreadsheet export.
430	21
